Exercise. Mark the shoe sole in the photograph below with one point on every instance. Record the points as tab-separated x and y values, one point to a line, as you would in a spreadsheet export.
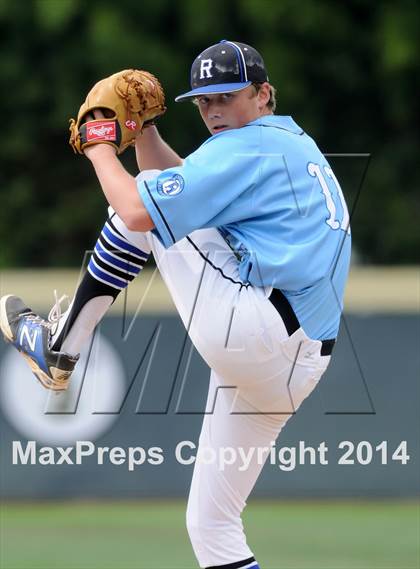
41	376
4	322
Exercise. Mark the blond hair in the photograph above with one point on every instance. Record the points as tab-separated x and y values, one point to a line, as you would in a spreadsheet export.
272	100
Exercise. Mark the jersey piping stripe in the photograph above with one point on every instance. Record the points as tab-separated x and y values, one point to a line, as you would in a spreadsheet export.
106	258
96	274
245	564
241	60
108	232
123	275
103	273
119	253
300	133
159	211
203	256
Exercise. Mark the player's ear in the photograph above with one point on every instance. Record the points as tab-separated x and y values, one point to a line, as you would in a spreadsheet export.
263	95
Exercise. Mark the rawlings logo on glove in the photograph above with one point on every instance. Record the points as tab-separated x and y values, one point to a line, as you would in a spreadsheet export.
130	99
101	131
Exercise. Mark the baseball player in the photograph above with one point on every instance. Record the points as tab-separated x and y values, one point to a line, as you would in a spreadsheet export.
251	235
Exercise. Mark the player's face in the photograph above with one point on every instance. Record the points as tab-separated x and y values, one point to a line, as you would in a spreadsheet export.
233	110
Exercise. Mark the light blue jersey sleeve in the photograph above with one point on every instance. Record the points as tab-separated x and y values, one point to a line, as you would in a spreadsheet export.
204	191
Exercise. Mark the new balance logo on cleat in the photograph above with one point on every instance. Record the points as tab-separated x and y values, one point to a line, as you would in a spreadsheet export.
31	335
26	334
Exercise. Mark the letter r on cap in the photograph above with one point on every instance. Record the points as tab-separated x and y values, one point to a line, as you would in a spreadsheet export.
205	68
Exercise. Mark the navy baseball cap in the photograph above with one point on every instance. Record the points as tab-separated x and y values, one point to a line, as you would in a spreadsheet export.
225	67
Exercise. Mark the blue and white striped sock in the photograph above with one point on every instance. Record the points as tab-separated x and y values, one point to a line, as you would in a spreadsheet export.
115	261
114	264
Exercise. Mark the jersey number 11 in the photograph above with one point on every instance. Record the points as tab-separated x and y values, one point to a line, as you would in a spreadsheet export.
314	170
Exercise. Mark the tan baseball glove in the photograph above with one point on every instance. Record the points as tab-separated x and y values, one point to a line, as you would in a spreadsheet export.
130	99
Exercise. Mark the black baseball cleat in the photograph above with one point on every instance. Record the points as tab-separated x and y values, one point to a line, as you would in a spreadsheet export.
31	336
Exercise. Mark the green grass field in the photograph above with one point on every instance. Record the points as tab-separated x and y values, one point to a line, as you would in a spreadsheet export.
152	535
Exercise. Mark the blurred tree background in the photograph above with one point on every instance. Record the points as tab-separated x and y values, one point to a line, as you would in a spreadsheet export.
344	70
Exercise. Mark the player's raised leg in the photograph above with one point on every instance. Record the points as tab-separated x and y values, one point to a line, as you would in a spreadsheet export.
51	346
